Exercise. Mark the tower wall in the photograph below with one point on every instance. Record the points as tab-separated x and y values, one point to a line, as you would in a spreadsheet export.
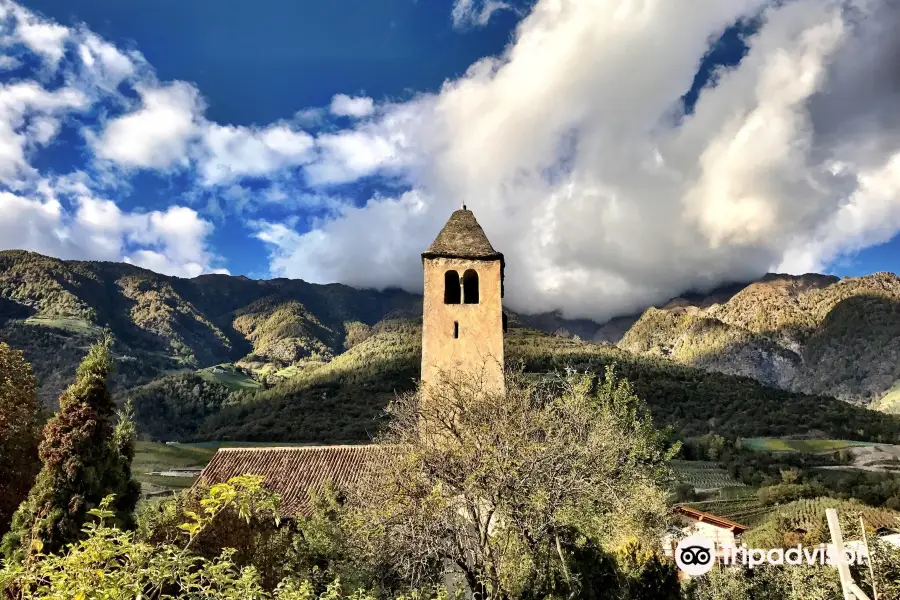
478	351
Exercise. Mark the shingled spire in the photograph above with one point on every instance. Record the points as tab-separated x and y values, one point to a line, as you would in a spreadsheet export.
462	237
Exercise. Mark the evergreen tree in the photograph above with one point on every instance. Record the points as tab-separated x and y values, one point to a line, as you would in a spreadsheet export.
19	432
85	458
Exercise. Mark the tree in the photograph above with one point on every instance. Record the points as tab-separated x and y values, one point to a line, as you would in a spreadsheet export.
19	432
85	458
118	565
508	489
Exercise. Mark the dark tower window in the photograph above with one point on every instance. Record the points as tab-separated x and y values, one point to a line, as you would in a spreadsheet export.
470	287
504	322
451	287
456	329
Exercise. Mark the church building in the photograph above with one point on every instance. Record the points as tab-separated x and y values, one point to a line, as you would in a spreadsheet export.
462	313
462	331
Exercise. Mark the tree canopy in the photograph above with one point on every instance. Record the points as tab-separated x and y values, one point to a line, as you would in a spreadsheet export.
19	432
85	457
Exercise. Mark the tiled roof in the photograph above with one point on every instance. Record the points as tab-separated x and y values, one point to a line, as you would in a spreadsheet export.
710	518
462	237
293	472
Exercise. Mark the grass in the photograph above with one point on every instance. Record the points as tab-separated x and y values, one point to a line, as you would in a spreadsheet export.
230	378
153	457
67	323
216	445
786	445
303	368
890	402
168	483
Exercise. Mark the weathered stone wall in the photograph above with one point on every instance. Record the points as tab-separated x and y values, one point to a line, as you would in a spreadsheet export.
478	351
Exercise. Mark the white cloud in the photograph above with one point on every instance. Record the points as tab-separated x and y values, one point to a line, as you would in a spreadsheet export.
9	63
381	228
571	151
42	37
343	105
107	65
387	147
467	13
156	135
232	152
29	118
174	241
570	148
33	224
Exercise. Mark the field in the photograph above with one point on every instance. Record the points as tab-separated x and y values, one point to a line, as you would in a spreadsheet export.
151	457
703	475
890	402
229	377
785	445
810	514
216	445
69	324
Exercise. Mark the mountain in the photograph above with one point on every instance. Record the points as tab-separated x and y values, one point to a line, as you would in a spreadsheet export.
52	308
811	333
345	400
311	362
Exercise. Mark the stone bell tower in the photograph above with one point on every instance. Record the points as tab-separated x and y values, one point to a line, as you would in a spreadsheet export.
463	320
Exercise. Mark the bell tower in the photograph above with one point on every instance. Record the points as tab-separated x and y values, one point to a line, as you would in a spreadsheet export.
463	321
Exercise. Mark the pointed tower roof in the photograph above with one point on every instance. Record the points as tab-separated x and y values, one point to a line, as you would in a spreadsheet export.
462	237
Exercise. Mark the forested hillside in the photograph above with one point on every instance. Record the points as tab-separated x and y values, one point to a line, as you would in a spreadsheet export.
52	310
345	399
328	358
812	333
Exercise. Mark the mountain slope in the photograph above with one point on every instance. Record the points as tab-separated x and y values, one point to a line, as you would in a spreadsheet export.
344	400
53	309
810	333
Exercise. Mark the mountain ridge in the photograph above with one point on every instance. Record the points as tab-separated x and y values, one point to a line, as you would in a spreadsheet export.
808	333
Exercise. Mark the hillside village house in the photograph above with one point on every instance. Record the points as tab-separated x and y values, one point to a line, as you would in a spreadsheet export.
690	521
462	329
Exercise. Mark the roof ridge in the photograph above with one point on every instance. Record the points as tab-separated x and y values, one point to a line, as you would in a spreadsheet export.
316	447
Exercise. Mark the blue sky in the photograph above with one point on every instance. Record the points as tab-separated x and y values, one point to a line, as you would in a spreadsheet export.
616	156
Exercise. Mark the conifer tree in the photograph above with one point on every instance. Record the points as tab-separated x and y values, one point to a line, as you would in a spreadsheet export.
19	432
85	457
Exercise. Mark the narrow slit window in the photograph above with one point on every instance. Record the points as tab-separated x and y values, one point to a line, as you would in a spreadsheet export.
470	287
504	322
456	329
451	287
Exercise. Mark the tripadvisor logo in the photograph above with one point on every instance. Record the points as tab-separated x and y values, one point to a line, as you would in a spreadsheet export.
695	555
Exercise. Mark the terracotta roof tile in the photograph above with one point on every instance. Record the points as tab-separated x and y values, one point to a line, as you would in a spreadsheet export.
709	518
293	472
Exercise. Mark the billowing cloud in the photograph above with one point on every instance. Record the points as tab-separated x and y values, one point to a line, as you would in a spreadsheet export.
29	118
574	154
173	241
572	147
157	134
343	105
232	152
40	36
